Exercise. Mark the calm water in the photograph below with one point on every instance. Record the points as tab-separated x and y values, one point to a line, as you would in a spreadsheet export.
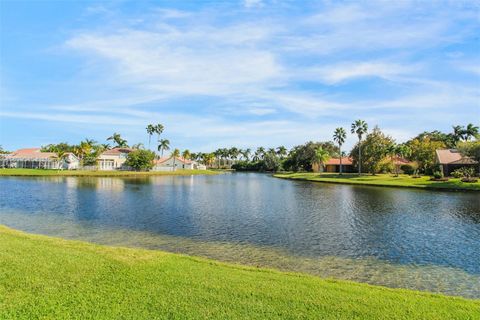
396	237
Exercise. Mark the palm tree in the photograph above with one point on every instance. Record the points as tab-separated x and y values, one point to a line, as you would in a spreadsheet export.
186	154
470	132
158	129
359	127
121	143
339	137
233	153
246	153
321	156
261	152
282	152
163	145
105	146
458	133
175	154
61	155
150	130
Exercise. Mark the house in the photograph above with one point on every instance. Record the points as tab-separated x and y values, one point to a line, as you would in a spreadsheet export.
171	164
450	160
34	158
333	165
113	159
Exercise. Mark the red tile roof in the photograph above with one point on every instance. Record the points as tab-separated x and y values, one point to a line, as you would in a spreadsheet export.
336	161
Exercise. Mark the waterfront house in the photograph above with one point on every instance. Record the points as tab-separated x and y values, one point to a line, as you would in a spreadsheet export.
34	158
333	165
169	164
450	160
113	159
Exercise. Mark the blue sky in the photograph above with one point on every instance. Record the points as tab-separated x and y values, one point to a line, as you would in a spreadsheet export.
234	73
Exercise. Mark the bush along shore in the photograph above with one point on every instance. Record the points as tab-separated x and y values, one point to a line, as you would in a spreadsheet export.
44	277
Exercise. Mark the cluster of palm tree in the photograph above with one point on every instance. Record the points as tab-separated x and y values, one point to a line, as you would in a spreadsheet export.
154	129
465	133
358	127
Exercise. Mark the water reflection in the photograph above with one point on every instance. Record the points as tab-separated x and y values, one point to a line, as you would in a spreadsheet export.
398	229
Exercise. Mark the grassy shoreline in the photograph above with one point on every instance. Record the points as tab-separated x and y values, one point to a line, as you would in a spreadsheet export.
92	173
383	180
42	276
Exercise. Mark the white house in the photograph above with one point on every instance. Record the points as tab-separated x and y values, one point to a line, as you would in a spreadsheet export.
113	159
171	164
34	158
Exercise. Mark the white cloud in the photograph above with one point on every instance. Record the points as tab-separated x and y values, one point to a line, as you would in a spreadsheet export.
333	74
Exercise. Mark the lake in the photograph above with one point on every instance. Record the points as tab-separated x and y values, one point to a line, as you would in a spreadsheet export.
418	239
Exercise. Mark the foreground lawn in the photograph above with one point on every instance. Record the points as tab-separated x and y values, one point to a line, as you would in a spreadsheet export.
91	173
383	180
43	277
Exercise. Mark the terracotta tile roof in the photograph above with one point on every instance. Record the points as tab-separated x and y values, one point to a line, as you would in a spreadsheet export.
336	161
452	156
116	151
30	153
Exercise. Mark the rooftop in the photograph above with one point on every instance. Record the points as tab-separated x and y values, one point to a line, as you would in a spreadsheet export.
452	156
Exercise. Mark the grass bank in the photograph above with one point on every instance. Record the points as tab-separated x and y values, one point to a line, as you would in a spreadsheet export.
385	180
92	173
44	277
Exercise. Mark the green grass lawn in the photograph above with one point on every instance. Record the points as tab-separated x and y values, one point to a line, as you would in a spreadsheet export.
383	180
49	278
91	173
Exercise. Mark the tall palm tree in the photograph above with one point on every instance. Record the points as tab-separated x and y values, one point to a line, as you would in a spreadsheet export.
321	156
175	155
359	127
186	154
158	129
339	137
282	152
470	132
150	130
163	144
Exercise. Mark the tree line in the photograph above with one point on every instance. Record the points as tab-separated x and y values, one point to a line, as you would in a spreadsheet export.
373	152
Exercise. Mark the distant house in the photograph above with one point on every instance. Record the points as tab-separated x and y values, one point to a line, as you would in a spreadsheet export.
33	158
113	159
450	160
333	165
168	164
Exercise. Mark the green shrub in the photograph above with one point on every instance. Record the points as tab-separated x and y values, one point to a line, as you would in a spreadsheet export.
407	168
140	159
437	175
464	172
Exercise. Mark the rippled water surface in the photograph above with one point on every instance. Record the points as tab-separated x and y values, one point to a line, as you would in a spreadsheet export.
396	237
